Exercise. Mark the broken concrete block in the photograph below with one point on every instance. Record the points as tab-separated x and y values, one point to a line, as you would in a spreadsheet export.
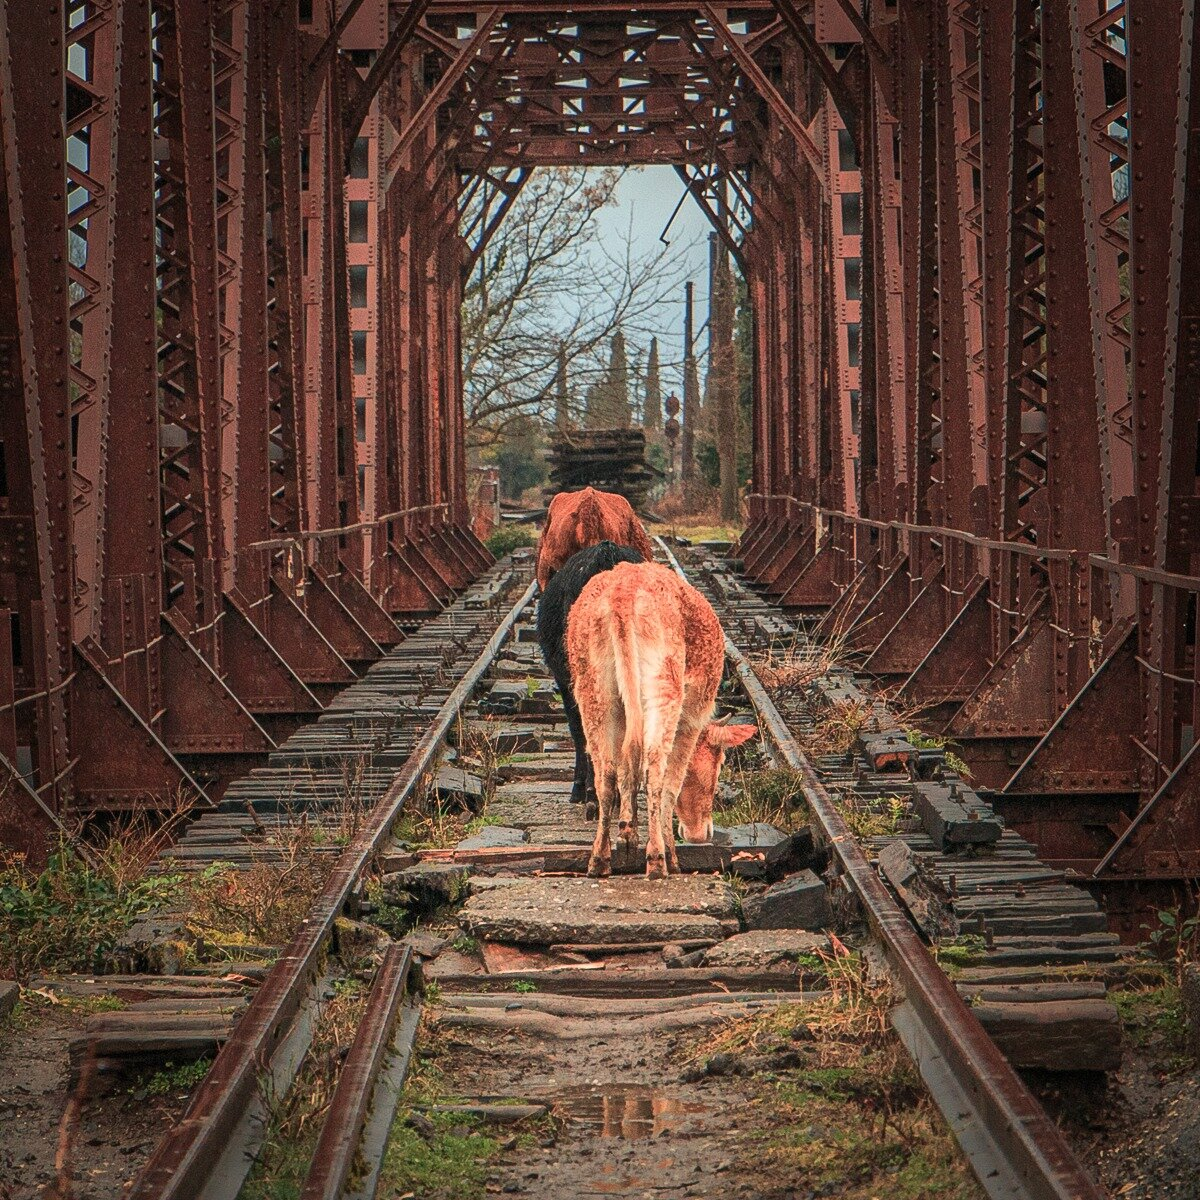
758	835
10	993
763	948
429	883
492	837
425	944
453	783
954	815
794	853
155	945
620	910
800	901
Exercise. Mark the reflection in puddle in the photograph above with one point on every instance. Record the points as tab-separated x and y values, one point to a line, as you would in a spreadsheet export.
633	1111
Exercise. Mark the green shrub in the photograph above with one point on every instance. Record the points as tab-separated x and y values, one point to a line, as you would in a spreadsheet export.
69	916
505	539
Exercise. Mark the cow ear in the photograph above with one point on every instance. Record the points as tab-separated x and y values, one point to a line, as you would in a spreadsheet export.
727	736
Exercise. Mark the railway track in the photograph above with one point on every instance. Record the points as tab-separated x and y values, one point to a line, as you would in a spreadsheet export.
477	662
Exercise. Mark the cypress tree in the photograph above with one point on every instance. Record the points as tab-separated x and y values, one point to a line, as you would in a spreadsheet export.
652	417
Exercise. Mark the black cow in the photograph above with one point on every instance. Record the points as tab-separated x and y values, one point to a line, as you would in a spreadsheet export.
561	592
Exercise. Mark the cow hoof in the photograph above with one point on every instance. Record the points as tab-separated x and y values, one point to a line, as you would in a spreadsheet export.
656	868
592	811
599	868
628	834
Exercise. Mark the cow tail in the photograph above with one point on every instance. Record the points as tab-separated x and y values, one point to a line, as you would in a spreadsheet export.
626	663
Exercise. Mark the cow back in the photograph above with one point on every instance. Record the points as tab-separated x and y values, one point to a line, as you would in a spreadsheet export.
563	590
577	520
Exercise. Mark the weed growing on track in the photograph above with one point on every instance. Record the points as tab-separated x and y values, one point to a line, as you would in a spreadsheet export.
773	797
868	822
963	951
296	1121
1154	1022
838	1108
172	1079
933	741
441	1155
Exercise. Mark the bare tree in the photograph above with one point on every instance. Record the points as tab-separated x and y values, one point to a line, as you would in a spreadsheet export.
546	297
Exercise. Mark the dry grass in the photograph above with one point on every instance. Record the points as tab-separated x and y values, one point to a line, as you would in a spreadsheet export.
296	1121
264	903
852	1119
787	672
837	728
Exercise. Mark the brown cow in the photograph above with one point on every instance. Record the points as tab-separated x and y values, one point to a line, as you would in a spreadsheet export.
646	653
576	520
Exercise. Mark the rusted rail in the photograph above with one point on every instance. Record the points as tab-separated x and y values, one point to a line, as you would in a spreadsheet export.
182	1164
333	1159
1005	1129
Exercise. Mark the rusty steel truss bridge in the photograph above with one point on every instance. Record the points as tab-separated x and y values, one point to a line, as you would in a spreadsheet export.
231	430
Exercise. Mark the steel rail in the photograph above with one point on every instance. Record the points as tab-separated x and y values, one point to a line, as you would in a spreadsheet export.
180	1165
337	1144
1041	1163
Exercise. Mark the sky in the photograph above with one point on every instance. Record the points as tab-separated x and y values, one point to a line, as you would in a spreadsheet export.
648	196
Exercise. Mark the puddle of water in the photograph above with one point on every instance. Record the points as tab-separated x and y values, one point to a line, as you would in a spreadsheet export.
634	1112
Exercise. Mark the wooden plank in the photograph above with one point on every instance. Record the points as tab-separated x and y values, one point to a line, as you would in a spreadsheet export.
1055	1035
641	982
1031	992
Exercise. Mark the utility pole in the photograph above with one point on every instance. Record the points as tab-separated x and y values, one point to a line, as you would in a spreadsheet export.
562	418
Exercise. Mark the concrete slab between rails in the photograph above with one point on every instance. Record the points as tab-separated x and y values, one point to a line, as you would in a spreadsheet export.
554	911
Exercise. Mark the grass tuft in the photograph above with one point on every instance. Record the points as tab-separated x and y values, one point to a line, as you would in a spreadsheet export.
773	797
853	1119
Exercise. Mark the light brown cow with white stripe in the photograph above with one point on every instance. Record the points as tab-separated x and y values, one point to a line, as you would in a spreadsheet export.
647	653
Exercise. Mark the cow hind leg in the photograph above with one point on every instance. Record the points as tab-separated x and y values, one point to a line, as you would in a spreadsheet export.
600	863
687	735
663	707
582	777
656	854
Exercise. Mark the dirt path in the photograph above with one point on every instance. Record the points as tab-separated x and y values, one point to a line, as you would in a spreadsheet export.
117	1127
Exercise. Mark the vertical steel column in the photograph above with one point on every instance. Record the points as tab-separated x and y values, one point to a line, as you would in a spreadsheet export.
35	435
189	332
1160	41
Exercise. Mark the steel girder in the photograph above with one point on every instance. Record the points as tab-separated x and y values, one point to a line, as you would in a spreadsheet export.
233	304
1020	559
185	567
